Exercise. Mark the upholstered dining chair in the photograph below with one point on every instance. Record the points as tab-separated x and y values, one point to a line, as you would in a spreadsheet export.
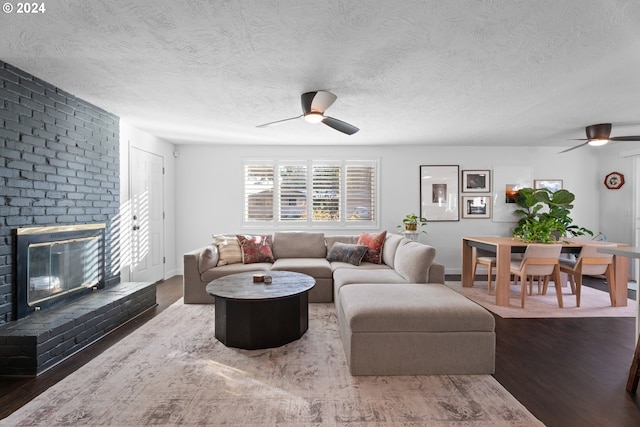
541	261
592	263
486	258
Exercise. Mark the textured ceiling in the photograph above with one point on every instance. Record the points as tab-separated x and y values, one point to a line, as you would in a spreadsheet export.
512	72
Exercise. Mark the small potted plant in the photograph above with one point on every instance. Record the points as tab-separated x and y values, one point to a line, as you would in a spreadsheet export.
412	221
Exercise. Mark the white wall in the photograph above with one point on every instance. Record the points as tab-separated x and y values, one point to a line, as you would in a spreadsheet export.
209	187
617	206
133	137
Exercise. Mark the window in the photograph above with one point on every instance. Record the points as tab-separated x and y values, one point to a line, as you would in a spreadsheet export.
311	192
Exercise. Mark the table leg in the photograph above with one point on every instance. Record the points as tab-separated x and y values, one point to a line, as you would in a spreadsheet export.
467	264
503	275
621	272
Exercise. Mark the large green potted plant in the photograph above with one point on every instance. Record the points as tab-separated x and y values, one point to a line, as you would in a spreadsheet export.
537	224
412	221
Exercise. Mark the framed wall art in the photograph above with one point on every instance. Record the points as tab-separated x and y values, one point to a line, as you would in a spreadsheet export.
552	185
476	206
476	181
507	180
439	192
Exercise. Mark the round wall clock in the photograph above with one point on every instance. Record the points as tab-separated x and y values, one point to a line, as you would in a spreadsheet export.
614	180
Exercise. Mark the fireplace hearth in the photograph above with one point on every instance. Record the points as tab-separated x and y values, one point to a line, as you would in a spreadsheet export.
63	303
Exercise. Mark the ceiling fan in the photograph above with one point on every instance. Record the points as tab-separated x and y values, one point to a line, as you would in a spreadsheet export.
314	104
599	135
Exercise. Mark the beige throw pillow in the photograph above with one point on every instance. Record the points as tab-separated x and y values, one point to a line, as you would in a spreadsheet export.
229	251
209	258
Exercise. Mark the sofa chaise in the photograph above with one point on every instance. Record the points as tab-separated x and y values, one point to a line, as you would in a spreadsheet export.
395	315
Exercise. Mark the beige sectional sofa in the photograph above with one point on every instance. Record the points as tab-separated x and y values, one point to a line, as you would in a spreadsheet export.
396	317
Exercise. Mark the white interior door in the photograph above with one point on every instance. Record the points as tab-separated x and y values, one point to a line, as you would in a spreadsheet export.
147	216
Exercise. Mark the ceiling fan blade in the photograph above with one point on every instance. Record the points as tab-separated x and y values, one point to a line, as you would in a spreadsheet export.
306	99
323	100
573	148
277	122
340	125
317	101
625	138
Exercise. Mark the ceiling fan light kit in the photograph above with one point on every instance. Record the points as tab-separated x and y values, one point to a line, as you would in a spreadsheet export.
313	117
314	104
598	142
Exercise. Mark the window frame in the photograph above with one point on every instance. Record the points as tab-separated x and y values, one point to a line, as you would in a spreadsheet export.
308	222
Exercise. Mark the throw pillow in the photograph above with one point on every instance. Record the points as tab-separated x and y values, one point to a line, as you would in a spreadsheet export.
228	249
346	252
255	249
374	242
208	259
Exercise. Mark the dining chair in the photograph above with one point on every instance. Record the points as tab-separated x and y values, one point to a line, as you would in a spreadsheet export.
541	261
592	263
486	258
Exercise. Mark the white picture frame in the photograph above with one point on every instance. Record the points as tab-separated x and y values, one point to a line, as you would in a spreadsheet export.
552	185
439	185
507	180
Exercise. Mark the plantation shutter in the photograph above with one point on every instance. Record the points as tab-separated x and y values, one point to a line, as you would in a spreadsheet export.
326	192
360	194
258	192
311	192
292	180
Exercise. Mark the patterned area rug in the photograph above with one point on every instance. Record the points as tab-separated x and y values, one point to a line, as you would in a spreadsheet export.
593	302
172	371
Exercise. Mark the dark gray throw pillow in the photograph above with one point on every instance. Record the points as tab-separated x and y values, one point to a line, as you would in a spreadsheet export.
347	252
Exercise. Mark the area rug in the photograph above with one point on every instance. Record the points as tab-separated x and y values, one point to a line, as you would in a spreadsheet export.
593	302
173	372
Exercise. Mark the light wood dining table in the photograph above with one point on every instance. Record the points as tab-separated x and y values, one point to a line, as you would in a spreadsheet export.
505	246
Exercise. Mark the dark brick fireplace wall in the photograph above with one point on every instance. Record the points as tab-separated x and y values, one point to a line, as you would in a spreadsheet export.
59	165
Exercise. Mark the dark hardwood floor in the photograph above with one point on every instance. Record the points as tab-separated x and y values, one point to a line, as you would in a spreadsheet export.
567	372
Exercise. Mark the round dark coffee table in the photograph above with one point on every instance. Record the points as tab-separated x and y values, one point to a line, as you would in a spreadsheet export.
257	315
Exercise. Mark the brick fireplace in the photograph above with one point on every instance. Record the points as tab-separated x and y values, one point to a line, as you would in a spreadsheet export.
59	170
59	166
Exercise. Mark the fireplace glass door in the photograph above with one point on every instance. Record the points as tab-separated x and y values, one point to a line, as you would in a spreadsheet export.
56	268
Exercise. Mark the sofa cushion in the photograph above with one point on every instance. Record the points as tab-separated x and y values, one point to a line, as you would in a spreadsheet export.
298	244
347	276
374	242
330	240
225	270
412	308
228	249
347	252
413	259
389	249
208	258
255	248
363	266
316	267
